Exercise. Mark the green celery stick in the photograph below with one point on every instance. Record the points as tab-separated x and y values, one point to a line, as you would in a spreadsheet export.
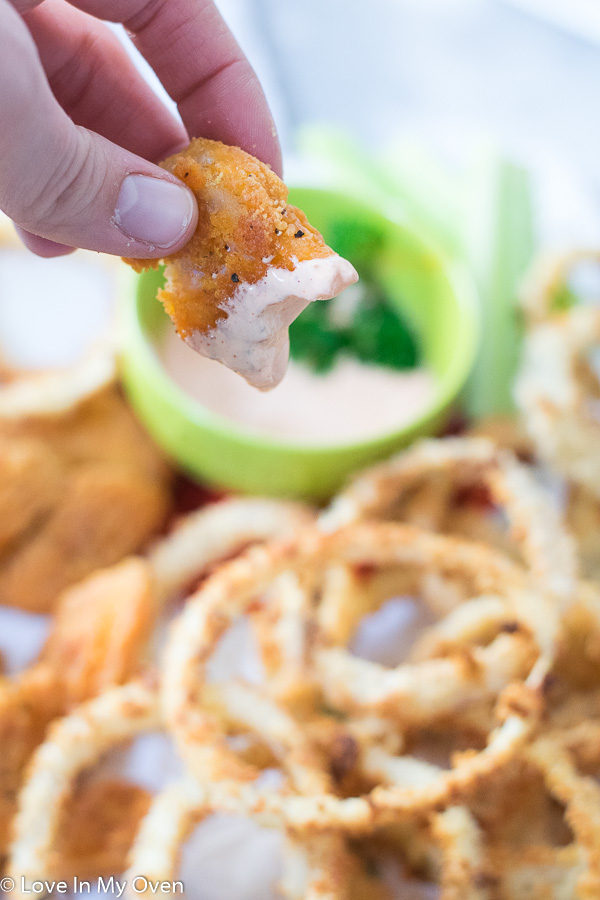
431	193
498	246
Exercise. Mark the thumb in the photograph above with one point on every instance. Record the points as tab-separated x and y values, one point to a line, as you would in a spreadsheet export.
70	185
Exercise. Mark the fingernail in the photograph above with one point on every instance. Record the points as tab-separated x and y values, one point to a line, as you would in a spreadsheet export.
154	211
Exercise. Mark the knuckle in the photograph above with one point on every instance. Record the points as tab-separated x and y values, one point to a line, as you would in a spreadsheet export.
68	190
19	67
75	82
144	15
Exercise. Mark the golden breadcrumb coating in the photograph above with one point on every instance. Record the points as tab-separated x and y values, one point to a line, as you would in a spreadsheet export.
80	491
100	630
245	226
97	828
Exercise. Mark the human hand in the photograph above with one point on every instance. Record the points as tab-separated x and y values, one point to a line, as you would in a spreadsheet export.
79	123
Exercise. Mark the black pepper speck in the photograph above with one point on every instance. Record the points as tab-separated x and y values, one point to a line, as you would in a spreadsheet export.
299	233
235	278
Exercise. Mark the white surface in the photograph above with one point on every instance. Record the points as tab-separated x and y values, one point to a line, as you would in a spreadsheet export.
450	73
150	762
580	17
53	310
230	858
22	636
387	635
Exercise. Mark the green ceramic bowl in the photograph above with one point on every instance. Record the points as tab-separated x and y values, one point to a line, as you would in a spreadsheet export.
435	294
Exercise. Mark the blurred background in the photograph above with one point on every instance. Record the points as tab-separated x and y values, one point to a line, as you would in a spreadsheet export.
478	118
522	76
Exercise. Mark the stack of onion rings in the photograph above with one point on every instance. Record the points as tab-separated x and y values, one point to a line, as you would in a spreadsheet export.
431	761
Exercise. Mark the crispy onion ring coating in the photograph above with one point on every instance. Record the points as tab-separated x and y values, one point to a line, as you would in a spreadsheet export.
234	590
535	523
581	796
73	744
216	532
556	398
54	393
420	485
495	706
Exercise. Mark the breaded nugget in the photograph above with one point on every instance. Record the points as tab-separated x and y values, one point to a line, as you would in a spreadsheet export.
97	829
32	479
101	628
104	515
100	429
251	267
79	491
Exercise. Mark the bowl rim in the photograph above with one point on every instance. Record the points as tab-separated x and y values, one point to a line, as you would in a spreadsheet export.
134	342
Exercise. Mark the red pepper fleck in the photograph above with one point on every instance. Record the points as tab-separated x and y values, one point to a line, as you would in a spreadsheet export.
476	495
364	570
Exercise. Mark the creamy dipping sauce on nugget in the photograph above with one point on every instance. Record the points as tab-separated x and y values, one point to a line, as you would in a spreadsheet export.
351	402
253	338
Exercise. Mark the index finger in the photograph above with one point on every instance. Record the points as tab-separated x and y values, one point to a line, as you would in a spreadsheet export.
202	67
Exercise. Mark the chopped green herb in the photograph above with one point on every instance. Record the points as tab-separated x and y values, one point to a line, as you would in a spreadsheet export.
366	327
314	341
380	335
